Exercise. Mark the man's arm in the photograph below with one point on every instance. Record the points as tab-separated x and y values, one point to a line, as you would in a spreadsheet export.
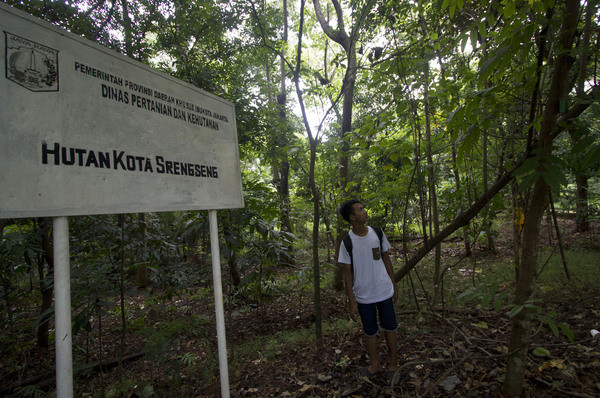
390	270
349	284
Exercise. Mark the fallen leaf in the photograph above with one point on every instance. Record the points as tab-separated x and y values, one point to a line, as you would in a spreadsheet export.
306	387
541	352
480	325
554	363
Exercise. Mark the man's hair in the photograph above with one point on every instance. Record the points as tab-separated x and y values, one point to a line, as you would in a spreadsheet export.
347	208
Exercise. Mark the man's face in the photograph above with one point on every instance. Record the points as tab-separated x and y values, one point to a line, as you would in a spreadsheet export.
360	214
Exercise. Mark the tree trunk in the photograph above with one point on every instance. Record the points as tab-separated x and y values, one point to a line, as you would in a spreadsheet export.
487	214
432	192
230	228
122	219
518	219
46	283
313	141
283	186
582	209
348	43
559	238
315	243
127	29
141	269
465	232
521	323
581	194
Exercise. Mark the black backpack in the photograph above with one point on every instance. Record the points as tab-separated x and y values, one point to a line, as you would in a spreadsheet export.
348	243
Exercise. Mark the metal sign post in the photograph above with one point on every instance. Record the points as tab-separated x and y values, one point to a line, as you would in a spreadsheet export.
218	291
62	308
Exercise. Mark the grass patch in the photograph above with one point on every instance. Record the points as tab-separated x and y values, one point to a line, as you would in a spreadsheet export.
582	266
271	346
497	272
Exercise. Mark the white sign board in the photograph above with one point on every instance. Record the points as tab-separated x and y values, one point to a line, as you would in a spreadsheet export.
84	130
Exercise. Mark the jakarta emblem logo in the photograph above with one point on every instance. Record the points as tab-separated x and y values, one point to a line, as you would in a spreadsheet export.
30	64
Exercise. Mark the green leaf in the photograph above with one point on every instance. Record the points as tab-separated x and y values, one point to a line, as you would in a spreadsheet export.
567	331
401	107
482	30
515	311
457	113
582	145
551	324
481	325
486	300
595	110
528	165
489	65
591	158
464	42
528	181
474	39
509	9
467	295
541	352
554	177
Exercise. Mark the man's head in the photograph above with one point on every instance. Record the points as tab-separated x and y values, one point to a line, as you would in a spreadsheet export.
347	209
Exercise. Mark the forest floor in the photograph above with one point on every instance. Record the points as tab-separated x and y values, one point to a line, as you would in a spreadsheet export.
459	352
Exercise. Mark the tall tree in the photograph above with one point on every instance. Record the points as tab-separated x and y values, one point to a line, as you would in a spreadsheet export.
313	142
347	40
521	323
581	172
281	174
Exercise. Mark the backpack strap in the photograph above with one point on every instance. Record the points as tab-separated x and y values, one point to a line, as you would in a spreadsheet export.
348	244
379	233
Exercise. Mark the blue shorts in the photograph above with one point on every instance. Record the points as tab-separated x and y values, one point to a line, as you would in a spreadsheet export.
387	317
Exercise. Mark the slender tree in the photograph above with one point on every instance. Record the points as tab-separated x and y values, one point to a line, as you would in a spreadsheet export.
348	41
521	323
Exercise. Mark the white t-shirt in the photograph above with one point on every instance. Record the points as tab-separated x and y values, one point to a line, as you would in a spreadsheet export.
372	283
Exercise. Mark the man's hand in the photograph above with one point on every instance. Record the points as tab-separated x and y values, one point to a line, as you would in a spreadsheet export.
353	310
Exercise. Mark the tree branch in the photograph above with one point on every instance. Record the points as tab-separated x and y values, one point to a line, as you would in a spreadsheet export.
460	221
339	36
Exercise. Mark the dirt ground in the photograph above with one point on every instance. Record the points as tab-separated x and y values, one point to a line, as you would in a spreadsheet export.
459	353
456	353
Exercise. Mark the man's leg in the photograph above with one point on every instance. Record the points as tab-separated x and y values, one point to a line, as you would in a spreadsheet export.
389	325
392	343
368	316
373	351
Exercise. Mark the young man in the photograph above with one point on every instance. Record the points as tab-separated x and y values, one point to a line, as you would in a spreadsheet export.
369	281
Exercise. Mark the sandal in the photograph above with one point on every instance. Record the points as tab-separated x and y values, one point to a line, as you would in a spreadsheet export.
393	377
364	372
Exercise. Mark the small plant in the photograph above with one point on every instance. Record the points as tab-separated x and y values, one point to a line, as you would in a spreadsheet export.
32	391
188	359
485	294
548	319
